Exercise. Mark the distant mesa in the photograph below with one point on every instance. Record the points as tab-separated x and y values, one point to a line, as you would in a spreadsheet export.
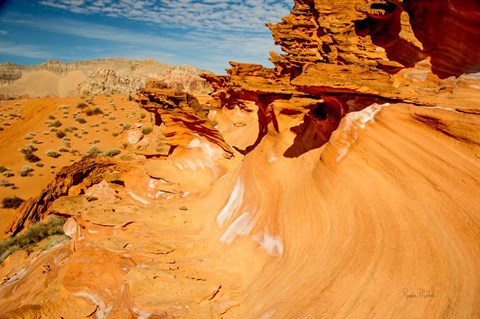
104	76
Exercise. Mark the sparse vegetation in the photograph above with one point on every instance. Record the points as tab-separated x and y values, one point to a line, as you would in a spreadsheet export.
57	123
111	153
80	120
25	170
28	149
92	151
12	202
53	153
8	174
5	183
32	158
94	111
52	231
82	105
147	130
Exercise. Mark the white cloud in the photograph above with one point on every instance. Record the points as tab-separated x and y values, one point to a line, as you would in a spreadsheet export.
206	33
24	50
240	15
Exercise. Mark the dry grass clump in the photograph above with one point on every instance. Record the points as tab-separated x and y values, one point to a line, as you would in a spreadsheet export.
52	231
32	158
53	153
28	149
94	111
12	202
60	134
25	171
82	105
147	130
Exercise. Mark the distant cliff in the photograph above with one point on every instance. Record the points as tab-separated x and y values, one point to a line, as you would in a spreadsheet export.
105	76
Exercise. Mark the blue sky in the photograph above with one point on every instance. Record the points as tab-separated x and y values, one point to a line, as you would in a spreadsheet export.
204	33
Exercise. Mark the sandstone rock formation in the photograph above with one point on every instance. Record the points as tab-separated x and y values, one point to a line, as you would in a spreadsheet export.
90	77
351	190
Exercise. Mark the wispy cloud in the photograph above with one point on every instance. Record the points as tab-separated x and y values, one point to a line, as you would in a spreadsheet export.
206	33
3	32
24	50
240	15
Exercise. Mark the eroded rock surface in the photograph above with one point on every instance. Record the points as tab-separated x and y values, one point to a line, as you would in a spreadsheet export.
342	183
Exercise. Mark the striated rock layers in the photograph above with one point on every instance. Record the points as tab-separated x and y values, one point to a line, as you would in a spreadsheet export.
342	183
90	77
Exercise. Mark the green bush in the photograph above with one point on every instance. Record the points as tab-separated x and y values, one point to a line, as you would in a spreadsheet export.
32	158
28	149
57	123
12	202
60	134
94	111
52	231
111	153
9	173
53	154
5	183
80	120
25	170
92	151
82	105
147	130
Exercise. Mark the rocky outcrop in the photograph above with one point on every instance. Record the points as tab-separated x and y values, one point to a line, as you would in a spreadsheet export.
342	58
71	180
179	115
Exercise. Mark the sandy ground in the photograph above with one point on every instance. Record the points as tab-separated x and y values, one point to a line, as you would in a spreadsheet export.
27	121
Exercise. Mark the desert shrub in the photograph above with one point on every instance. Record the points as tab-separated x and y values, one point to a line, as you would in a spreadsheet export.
94	111
115	134
53	153
51	117
82	105
39	164
111	153
28	149
25	170
37	142
126	126
63	149
80	120
5	183
57	123
8	174
3	169
92	151
29	136
73	128
12	202
147	130
32	158
111	118
52	231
